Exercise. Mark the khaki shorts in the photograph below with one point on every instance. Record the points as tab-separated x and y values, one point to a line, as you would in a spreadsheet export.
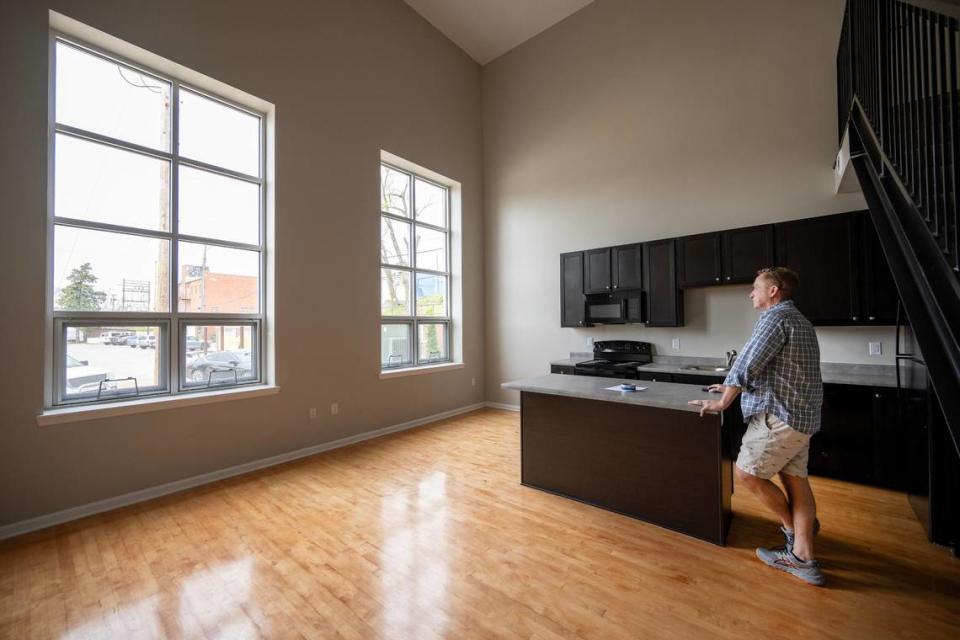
770	446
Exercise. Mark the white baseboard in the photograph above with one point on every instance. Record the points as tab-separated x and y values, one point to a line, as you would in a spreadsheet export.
501	405
108	504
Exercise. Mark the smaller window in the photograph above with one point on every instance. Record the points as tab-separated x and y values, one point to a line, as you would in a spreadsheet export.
219	353
395	345
432	342
110	362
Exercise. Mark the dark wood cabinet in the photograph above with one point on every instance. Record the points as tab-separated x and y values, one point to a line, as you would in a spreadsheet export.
572	303
562	369
844	446
654	376
891	441
745	251
627	264
613	268
879	293
725	257
597	273
697	378
844	275
664	299
699	260
825	253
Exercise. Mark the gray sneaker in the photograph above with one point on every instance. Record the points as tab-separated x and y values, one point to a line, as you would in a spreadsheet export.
789	535
784	560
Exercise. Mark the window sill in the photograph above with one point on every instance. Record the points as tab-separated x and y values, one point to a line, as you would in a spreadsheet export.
419	371
78	414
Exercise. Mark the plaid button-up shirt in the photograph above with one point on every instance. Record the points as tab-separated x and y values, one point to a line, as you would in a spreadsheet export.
779	369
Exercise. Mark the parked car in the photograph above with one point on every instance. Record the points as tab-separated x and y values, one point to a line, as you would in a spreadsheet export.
82	378
147	342
120	337
131	341
208	367
194	344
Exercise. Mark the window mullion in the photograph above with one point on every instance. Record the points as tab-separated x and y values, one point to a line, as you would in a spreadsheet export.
174	258
414	326
212	168
415	342
109	141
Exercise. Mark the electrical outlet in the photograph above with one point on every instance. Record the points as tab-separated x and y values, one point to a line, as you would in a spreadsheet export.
473	382
589	341
313	413
675	343
334	409
876	348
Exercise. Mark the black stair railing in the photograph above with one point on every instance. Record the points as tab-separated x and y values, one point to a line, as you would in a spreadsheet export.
897	92
899	62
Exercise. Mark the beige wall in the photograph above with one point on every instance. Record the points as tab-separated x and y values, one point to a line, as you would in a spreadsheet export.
348	78
635	120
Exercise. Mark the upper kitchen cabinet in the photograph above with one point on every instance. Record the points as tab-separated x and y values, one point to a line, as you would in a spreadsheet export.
879	299
699	258
613	268
597	272
725	257
572	304
627	263
824	252
663	298
745	251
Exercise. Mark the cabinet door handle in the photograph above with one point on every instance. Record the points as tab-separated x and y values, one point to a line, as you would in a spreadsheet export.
854	318
717	279
728	277
873	318
616	286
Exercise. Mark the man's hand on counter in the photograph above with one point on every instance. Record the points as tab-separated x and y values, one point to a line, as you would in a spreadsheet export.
708	406
716	406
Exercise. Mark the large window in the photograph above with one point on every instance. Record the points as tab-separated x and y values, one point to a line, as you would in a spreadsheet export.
415	261
156	225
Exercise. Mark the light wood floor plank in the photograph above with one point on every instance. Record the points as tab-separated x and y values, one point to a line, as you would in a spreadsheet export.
428	534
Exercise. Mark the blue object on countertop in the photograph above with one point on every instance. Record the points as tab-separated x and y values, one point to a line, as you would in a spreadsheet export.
628	387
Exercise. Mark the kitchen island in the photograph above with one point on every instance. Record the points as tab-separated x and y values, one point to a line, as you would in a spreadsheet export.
646	454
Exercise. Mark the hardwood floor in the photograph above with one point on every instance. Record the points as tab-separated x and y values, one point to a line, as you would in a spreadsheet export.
428	534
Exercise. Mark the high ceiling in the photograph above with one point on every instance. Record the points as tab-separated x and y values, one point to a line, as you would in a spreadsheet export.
486	29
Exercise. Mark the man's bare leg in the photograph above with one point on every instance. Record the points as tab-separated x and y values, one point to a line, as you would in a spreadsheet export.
770	495
803	508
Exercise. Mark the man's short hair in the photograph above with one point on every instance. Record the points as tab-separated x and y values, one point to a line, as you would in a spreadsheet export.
785	279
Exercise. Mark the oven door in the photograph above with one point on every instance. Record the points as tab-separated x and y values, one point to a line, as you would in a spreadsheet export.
591	371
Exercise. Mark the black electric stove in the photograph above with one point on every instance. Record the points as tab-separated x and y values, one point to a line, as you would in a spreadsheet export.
616	359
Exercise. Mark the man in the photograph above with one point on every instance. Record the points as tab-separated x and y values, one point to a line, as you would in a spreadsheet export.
778	373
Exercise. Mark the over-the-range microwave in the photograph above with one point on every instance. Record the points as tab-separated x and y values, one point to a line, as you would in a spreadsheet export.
621	308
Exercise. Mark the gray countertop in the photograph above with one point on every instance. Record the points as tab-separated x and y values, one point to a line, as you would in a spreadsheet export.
665	395
867	375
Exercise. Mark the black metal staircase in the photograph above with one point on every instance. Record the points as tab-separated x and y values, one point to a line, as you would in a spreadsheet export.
898	74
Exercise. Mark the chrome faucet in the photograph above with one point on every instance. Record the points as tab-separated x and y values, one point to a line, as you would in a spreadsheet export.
731	356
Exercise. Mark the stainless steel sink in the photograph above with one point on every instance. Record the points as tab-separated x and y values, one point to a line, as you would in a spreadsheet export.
706	367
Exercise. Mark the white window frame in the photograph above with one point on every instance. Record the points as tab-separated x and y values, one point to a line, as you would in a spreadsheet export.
173	320
413	321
